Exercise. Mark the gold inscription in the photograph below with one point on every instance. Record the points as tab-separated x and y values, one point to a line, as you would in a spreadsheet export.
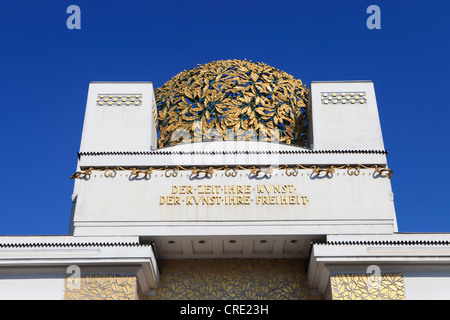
214	195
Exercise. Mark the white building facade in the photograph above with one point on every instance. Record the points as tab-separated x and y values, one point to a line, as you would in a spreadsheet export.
161	212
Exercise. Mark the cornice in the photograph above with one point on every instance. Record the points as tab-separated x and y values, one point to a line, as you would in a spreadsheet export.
74	244
162	152
384	242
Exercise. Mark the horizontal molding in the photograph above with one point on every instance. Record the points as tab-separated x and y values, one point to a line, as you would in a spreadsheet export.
384	242
156	153
74	244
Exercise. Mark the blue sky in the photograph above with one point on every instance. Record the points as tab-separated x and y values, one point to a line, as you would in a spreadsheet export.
46	69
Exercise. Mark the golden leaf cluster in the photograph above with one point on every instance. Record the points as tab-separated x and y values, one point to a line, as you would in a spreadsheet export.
241	96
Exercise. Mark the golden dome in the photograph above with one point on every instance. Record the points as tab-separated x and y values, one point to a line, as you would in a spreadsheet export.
232	99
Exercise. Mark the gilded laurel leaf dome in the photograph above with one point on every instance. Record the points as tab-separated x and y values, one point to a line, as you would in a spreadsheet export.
232	99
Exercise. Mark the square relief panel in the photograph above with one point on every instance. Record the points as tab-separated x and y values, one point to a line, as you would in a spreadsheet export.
263	246
202	246
233	246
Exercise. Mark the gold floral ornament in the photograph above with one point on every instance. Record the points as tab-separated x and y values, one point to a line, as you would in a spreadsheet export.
232	100
103	287
233	279
291	170
359	287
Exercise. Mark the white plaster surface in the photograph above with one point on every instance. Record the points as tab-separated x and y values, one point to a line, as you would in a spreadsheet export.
349	126
340	199
119	128
125	209
31	286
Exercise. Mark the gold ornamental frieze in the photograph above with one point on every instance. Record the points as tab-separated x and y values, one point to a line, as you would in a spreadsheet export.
232	171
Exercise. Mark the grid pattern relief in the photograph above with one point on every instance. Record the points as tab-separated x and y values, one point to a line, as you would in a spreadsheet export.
114	100
343	98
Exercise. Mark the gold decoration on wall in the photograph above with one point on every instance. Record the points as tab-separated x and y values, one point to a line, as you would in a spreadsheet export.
102	287
245	98
233	279
290	170
390	286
